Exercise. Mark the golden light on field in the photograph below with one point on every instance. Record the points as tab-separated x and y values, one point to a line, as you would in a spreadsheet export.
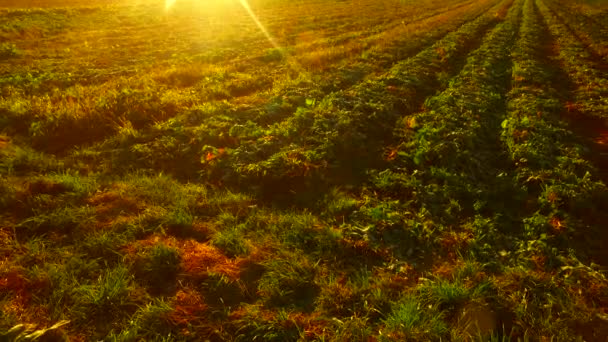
169	3
221	6
257	21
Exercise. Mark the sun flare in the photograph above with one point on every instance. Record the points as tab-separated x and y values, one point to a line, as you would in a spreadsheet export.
169	4
224	8
257	21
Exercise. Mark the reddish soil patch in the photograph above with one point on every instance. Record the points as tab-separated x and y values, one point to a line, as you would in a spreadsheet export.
188	306
12	280
3	142
602	138
198	259
22	290
445	268
111	205
42	186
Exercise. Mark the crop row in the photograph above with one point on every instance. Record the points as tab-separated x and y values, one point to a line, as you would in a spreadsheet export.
40	115
549	158
222	125
591	31
345	133
589	80
451	150
384	41
94	42
563	198
206	39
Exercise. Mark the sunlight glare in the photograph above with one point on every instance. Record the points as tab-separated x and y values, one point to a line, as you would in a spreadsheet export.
220	6
169	4
292	63
257	21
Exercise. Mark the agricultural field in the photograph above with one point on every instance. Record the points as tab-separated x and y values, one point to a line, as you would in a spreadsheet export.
303	170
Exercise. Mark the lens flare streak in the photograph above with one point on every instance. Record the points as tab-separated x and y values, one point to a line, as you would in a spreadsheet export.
257	21
245	4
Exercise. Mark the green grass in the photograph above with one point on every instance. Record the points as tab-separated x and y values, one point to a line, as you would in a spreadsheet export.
160	266
409	319
105	296
231	241
289	283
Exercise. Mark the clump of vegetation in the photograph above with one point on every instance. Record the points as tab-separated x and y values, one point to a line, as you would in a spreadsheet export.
160	266
9	50
289	283
410	319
